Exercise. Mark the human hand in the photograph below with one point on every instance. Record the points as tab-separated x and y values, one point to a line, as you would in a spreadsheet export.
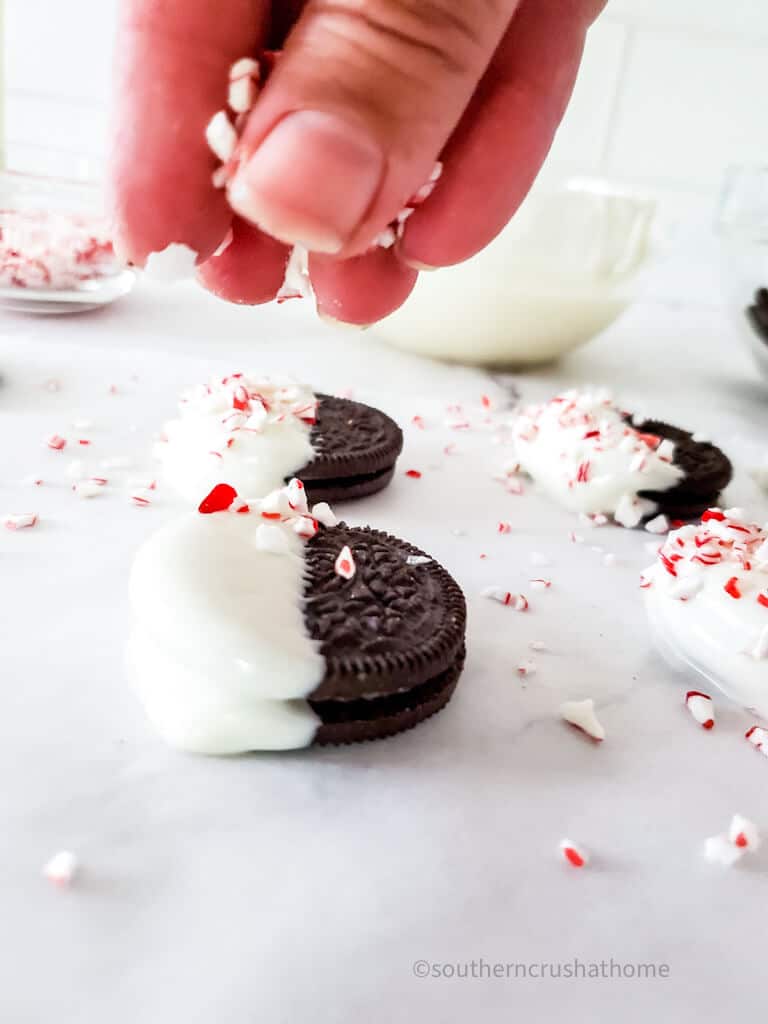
367	96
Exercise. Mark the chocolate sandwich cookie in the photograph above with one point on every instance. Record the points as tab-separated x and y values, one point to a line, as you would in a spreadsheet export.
392	634
255	433
593	457
271	626
706	470
355	450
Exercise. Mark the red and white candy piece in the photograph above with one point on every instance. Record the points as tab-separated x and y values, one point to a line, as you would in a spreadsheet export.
758	737
576	855
221	136
344	565
89	488
701	707
141	497
581	714
20	520
659	524
744	833
218	500
504	527
526	668
61	868
720	850
517	601
324	514
56	442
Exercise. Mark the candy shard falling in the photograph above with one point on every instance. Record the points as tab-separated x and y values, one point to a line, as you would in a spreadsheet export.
324	514
744	833
344	565
575	855
701	708
244	76
171	265
56	442
581	713
62	868
221	136
517	601
219	499
20	520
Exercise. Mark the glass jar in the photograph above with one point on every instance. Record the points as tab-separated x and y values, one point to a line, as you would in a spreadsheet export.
56	253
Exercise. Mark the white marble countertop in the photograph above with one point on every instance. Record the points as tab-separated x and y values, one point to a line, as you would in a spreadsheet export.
302	888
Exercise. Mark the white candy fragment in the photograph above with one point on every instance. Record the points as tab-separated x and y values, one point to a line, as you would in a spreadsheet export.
221	136
720	850
744	833
61	868
89	488
173	264
659	524
760	650
517	601
296	283
701	708
417	560
628	511
538	645
243	85
575	855
324	514
19	520
344	565
271	539
581	713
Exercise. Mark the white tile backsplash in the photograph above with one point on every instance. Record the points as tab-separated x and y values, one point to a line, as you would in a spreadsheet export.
670	91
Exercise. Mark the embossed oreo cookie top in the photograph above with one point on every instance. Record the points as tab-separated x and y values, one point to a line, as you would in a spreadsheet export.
256	432
268	626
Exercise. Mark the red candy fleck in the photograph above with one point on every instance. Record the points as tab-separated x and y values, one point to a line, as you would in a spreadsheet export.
56	442
741	840
414	474
713	513
486	402
762	598
219	500
504	527
732	587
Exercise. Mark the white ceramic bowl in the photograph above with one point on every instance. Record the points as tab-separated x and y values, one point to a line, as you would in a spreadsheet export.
559	273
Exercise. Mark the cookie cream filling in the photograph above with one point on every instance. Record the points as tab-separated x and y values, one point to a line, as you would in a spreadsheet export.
252	431
219	653
707	601
582	450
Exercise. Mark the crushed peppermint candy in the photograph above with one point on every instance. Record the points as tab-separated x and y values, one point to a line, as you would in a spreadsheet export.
62	868
418	560
89	488
324	514
20	520
344	565
729	847
517	601
701	708
659	524
56	442
581	714
526	668
757	735
414	474
583	449
575	855
540	584
54	251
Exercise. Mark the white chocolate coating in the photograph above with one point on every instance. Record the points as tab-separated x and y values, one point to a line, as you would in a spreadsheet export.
219	654
580	449
248	431
695	617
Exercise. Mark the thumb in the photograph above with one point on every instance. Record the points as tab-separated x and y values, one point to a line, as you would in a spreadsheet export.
356	112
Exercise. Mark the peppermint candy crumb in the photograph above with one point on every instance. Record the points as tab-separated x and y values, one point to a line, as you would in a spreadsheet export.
701	708
581	714
20	520
62	868
575	855
344	565
517	601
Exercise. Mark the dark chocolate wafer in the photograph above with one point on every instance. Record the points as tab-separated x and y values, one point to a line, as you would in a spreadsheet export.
392	636
707	471
356	448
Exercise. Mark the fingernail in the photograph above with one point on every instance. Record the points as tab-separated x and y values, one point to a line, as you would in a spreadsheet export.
311	181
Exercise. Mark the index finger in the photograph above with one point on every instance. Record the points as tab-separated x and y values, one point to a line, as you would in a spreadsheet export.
171	71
